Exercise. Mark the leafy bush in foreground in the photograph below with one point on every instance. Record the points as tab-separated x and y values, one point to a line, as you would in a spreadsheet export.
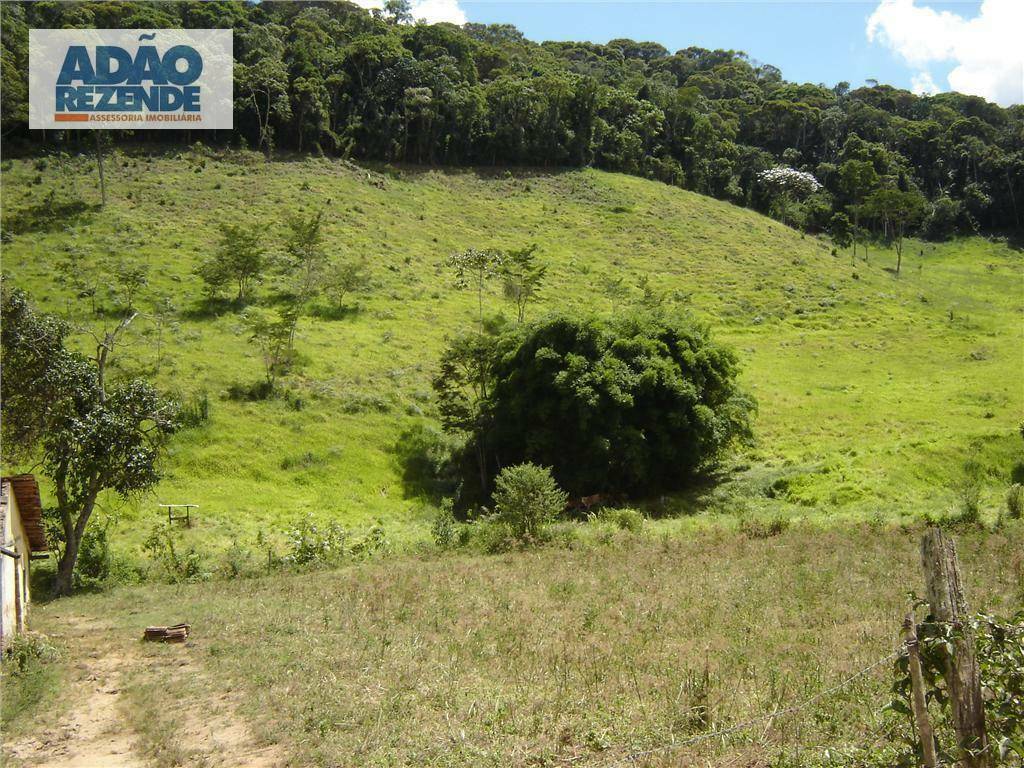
446	530
624	518
999	645
312	544
526	499
31	675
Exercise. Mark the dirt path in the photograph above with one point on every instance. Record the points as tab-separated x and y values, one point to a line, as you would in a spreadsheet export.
99	730
91	734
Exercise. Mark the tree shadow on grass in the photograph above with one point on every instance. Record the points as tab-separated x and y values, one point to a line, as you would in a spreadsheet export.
252	392
342	312
209	307
429	462
715	488
50	214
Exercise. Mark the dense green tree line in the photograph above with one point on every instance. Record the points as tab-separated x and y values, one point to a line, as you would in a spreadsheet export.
334	78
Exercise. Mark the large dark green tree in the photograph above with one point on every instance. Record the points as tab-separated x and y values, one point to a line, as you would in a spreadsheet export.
638	404
90	436
463	387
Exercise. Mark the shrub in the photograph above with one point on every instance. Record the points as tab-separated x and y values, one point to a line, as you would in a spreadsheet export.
374	542
491	536
30	677
1000	656
445	529
968	491
237	562
195	411
93	563
261	390
26	649
626	518
526	498
184	566
311	544
1015	501
306	460
564	535
364	402
761	529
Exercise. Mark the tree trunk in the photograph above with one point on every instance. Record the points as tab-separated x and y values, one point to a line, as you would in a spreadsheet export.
66	569
73	541
99	163
482	465
898	232
1013	197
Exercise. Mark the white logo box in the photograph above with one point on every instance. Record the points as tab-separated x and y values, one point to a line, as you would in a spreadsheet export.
141	79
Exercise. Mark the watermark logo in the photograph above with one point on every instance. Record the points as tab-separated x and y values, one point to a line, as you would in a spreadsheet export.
130	78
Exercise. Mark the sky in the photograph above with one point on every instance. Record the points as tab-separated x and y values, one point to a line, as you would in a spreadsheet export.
972	46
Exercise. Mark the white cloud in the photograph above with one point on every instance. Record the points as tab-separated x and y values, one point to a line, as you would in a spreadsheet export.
431	11
923	85
435	11
987	49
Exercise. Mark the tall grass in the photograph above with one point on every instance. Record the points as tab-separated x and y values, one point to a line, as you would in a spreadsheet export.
571	656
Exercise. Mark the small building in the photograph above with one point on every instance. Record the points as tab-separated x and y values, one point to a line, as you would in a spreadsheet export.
21	536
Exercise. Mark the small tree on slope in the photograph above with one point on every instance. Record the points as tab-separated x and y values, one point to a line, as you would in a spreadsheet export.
89	437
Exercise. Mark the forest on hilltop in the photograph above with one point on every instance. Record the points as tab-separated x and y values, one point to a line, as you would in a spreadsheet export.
334	78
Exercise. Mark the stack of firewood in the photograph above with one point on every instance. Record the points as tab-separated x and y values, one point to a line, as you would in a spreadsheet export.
175	634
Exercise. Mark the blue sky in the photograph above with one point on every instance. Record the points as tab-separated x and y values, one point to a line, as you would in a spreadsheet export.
809	41
927	46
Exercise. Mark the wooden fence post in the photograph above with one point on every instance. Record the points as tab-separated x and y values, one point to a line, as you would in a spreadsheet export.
917	699
948	605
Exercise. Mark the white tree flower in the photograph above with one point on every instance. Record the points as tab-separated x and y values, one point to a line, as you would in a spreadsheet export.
786	179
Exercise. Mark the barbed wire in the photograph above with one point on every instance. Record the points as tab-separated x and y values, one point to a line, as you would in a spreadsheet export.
745	724
976	622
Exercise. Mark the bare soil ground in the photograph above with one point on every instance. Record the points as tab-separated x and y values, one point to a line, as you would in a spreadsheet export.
114	721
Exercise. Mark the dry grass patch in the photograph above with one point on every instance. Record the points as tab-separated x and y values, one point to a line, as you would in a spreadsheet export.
571	656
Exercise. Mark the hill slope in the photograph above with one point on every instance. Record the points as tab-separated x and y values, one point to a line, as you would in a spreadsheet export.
872	389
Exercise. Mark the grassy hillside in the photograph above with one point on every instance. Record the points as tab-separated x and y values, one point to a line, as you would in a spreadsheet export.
872	389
